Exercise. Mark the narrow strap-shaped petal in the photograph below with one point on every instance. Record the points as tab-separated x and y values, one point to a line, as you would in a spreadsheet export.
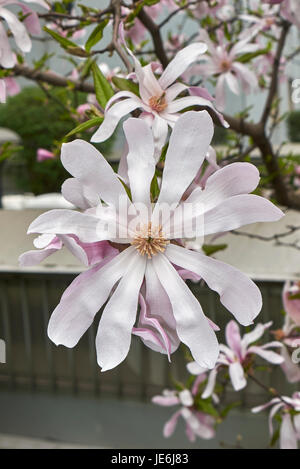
117	320
237	376
192	326
84	298
238	211
237	292
233	337
86	163
79	195
140	159
113	116
189	143
180	63
64	221
288	436
18	29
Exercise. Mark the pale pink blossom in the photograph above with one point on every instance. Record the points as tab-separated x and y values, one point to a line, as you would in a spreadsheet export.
235	356
291	300
148	257
197	424
289	408
19	30
265	19
222	62
43	154
8	86
157	97
290	10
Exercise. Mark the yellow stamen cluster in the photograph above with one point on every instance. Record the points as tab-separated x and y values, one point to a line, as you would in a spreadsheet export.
158	103
150	241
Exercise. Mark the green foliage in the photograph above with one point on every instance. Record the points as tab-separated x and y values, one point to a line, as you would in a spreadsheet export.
103	88
42	122
293	124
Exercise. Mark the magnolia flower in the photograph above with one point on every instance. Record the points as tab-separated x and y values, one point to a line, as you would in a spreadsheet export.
289	408
291	300
196	423
157	97
19	29
236	356
8	86
147	251
290	10
43	154
222	62
265	20
202	8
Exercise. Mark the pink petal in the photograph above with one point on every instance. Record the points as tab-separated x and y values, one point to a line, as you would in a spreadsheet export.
237	376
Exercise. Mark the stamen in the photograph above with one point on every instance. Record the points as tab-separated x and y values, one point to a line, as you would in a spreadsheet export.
150	241
158	103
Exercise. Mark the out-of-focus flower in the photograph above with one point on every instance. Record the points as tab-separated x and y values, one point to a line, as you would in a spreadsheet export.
19	30
157	97
8	86
197	424
265	19
289	408
223	63
146	248
236	354
43	154
291	300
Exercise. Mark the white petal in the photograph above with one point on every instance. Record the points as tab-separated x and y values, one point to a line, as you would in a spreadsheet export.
188	145
114	332
237	376
86	164
83	299
113	116
192	326
237	292
140	159
181	61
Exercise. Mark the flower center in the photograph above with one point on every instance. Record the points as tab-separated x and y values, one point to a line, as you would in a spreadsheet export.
158	103
150	240
225	65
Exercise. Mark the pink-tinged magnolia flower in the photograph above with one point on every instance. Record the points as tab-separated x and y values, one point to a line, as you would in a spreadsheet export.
202	8
290	10
157	97
43	154
196	423
19	29
291	300
137	32
147	253
235	355
289	408
222	62
8	86
265	19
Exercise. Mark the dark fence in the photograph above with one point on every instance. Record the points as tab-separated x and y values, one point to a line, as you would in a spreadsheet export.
33	363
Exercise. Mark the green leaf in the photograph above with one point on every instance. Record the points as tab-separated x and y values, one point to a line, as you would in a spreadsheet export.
210	249
96	35
126	85
103	88
63	41
66	44
245	58
85	125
